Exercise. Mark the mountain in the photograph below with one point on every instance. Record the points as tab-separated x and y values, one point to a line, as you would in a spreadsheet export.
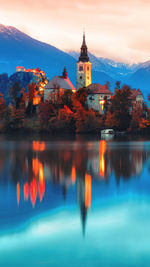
140	79
17	48
116	70
136	75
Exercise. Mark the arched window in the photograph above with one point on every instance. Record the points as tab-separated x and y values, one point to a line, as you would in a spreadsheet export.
80	68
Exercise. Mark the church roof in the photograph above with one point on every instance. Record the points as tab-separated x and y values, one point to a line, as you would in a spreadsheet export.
60	82
96	88
84	51
135	93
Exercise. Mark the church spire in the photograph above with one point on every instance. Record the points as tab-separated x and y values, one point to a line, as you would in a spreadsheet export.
64	74
84	51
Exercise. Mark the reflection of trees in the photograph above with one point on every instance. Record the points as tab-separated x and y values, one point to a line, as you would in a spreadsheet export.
126	162
67	163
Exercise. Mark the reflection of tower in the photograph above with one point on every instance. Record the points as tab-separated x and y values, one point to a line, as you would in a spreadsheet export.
64	190
83	67
84	197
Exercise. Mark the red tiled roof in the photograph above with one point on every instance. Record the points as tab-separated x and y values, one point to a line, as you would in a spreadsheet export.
96	88
135	93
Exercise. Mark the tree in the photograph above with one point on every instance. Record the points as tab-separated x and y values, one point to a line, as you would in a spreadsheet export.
136	116
106	104
15	118
120	107
80	96
87	120
46	111
65	120
32	91
14	91
111	121
2	107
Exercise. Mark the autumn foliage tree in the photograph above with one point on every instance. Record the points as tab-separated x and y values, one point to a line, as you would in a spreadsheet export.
65	120
14	91
32	91
46	112
136	116
2	107
111	121
120	108
81	97
87	120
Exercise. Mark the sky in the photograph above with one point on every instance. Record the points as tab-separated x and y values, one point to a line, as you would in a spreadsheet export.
116	29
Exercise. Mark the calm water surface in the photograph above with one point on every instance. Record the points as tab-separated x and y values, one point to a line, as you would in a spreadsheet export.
74	202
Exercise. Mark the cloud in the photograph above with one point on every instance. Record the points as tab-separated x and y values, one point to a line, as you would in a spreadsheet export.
118	29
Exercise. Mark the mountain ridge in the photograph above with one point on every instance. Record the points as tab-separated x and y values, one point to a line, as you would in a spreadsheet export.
18	48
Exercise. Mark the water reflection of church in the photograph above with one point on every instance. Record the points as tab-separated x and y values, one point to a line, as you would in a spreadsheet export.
73	164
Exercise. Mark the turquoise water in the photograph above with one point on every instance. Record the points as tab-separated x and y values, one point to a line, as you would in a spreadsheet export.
74	203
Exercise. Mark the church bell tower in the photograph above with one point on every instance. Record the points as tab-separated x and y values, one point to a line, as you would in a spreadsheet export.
83	67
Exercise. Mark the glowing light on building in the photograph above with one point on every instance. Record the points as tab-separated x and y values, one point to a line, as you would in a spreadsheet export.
36	100
102	150
87	190
36	71
102	102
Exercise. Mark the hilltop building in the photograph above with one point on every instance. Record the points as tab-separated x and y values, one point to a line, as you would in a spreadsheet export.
83	67
61	83
37	72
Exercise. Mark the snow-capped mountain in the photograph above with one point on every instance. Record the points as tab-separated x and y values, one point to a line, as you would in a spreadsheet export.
17	48
117	70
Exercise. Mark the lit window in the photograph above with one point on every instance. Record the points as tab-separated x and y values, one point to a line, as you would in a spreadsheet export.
88	68
102	102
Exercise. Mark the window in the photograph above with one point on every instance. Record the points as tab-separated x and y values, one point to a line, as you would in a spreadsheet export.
80	68
88	68
88	77
80	77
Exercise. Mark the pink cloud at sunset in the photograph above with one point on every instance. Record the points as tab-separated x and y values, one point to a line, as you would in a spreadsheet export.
114	28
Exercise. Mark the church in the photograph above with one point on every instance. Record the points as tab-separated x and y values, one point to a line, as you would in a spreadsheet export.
96	92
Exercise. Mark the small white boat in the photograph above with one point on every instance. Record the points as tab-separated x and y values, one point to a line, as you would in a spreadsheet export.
107	131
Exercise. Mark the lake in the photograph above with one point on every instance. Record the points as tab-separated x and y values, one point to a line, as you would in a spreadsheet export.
74	201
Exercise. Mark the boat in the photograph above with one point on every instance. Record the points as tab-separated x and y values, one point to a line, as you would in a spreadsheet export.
107	131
